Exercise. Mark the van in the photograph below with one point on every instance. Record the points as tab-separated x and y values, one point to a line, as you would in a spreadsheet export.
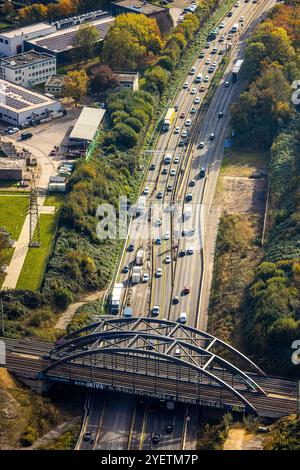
183	317
202	172
26	135
127	312
199	78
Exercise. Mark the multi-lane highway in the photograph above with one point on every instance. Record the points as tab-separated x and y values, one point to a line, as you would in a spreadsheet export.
126	423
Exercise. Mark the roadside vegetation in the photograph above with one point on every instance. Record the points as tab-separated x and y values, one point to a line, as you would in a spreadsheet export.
285	435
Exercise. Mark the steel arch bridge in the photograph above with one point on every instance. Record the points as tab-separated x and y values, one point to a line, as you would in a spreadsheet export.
156	357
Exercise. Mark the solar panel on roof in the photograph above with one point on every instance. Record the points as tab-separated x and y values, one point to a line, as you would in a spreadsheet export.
34	99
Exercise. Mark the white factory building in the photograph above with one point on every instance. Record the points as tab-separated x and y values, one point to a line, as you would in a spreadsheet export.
12	42
19	106
29	68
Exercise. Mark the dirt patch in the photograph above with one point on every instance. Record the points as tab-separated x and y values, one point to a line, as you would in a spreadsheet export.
242	195
240	439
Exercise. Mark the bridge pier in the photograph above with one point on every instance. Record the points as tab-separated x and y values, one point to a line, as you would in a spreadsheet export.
38	386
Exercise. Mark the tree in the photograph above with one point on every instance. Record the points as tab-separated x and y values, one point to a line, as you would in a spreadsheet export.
4	243
156	80
67	7
103	78
125	136
33	13
76	85
7	8
84	41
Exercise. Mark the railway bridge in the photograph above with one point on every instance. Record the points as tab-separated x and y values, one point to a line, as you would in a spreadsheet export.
158	358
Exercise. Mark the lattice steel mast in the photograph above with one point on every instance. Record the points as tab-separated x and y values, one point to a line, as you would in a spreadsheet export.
34	222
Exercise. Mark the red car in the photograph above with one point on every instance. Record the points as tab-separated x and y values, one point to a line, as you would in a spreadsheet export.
182	115
54	151
186	290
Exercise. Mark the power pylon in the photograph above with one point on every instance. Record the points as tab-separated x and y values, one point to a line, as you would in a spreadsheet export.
34	222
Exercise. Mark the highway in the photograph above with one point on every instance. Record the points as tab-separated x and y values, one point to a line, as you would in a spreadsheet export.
128	423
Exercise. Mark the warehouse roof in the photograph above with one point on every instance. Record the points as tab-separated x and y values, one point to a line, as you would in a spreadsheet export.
17	98
87	124
140	6
63	40
34	28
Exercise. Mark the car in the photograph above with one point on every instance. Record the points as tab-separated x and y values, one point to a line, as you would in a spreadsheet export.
214	64
164	171
201	55
202	172
222	38
130	247
227	84
167	236
186	290
229	37
169	427
176	300
168	259
158	272
189	197
183	317
211	69
156	438
207	62
182	115
222	25
188	122
158	222
181	253
184	133
125	269
201	145
26	135
193	91
185	86
176	130
229	14
145	277
180	143
13	130
176	107
53	152
192	183
212	136
207	45
146	190
220	114
176	160
192	71
172	172
87	436
202	88
214	50
197	100
193	110
237	4
159	195
155	310
221	52
241	20
169	188
206	79
190	250
152	166
158	241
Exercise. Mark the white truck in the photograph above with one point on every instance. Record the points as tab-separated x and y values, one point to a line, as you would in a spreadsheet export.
139	259
140	206
115	300
136	274
187	212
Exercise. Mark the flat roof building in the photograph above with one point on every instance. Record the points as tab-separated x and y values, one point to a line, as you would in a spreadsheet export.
60	43
29	68
87	125
128	80
12	42
19	105
55	85
161	14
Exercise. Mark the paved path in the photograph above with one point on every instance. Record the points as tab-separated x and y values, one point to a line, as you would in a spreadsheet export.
67	316
54	433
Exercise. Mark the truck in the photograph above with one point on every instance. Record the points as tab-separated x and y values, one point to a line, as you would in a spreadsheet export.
187	212
139	259
140	206
136	274
115	300
236	70
169	118
128	312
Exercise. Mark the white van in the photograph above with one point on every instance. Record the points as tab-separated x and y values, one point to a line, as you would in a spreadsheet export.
199	78
183	317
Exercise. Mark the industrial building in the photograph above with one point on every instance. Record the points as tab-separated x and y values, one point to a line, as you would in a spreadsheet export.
12	169
159	13
12	42
60	43
20	106
55	85
87	126
129	80
29	68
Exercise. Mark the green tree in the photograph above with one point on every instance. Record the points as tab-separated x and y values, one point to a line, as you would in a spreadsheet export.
84	41
76	85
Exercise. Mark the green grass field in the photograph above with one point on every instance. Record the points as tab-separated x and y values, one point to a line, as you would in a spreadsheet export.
35	262
13	210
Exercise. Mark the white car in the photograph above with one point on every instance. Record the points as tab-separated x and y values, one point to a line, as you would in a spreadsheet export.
158	222
201	145
197	100
176	130
167	236
172	172
145	277
183	317
222	25
184	134
158	272
13	130
190	250
146	190
214	64
192	71
206	79
176	160
193	91
188	122
241	19
156	310
207	62
185	86
168	259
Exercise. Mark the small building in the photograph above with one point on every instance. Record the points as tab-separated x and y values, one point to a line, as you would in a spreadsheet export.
60	43
159	13
129	80
29	68
55	85
12	169
86	127
12	42
19	105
